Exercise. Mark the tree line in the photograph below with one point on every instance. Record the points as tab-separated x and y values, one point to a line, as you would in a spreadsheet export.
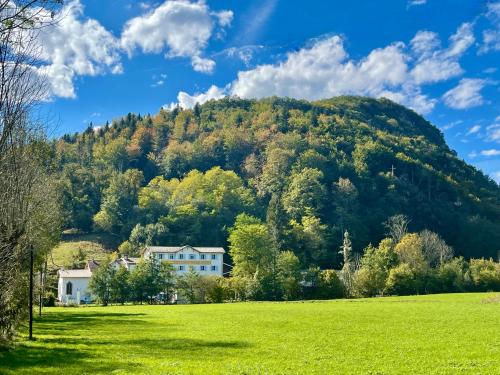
402	264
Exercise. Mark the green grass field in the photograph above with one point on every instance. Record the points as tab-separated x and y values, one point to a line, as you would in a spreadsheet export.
435	334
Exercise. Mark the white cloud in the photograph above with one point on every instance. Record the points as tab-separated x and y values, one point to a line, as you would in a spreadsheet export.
491	152
254	21
472	154
451	125
158	80
461	40
435	70
224	17
436	64
474	129
496	176
466	94
244	53
180	28
184	100
324	69
491	37
494	132
491	41
417	2
158	83
202	65
60	78
76	46
424	43
144	5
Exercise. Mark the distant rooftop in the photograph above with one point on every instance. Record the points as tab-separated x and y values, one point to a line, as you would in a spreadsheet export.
175	249
128	260
92	264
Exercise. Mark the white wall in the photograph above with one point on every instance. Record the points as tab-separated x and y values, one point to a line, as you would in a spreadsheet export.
190	259
80	284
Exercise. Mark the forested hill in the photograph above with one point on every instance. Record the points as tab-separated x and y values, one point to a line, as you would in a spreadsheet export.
311	170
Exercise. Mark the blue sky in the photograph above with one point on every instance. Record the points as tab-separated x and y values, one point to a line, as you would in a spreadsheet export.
439	57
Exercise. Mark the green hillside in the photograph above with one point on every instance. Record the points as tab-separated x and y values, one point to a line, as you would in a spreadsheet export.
310	170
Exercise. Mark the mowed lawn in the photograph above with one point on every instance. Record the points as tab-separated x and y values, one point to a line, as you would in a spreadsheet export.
435	334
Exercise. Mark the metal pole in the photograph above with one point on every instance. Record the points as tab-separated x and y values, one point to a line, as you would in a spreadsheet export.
40	292
31	294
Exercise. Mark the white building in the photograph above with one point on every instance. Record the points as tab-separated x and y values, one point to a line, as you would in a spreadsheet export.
204	260
125	261
72	286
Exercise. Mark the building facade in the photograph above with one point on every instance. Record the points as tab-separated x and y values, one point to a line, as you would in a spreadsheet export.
204	260
125	261
73	285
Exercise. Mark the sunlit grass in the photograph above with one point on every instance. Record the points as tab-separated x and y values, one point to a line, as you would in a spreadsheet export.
436	334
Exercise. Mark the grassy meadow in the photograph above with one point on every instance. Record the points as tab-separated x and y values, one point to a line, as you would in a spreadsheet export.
434	334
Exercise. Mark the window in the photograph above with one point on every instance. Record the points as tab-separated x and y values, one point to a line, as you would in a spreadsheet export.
202	256
160	256
69	288
202	268
181	256
191	256
172	256
181	268
214	256
214	268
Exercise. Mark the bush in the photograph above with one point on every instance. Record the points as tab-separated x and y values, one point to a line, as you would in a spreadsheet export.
369	282
49	300
215	289
485	274
401	281
237	288
454	276
330	285
376	262
288	275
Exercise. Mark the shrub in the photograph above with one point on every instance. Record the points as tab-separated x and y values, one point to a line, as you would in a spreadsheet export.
288	266
237	288
330	285
454	276
485	274
370	279
401	281
215	289
369	282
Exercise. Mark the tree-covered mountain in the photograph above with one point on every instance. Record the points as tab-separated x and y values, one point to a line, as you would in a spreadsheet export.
310	170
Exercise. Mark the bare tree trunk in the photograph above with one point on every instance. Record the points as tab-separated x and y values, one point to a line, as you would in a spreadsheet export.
25	191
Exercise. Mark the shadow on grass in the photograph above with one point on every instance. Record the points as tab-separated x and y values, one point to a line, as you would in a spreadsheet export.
67	343
58	356
182	344
55	322
35	359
